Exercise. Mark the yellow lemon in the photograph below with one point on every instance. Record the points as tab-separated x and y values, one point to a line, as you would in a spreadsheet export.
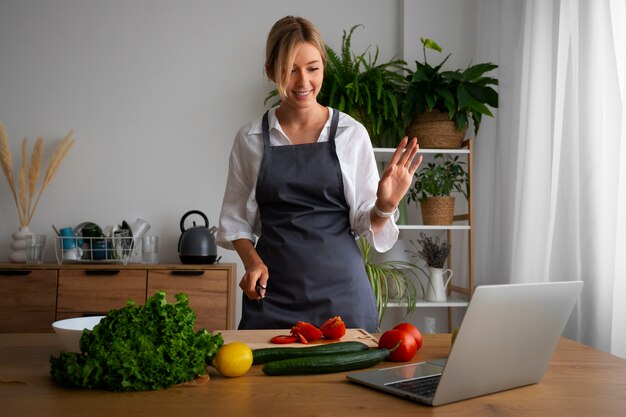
233	359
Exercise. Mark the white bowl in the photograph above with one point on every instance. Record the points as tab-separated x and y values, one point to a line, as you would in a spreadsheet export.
71	330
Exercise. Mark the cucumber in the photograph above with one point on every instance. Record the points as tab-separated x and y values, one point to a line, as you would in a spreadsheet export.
265	355
325	364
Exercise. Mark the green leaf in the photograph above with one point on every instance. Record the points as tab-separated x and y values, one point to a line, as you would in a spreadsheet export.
480	108
476	71
463	97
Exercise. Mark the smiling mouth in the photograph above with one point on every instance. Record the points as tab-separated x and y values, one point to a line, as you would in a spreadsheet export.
302	93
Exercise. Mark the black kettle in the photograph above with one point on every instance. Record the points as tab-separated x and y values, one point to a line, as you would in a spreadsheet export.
196	245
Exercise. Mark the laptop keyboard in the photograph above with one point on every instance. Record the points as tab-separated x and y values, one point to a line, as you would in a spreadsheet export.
424	387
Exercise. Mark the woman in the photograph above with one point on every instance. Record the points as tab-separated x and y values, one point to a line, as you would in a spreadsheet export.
303	178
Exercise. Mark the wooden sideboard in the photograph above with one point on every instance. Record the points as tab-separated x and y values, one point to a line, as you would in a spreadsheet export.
34	296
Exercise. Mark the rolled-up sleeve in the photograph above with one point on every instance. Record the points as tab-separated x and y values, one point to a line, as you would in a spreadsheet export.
360	177
239	217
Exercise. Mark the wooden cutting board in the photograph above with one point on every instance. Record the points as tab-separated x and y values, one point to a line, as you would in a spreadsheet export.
256	339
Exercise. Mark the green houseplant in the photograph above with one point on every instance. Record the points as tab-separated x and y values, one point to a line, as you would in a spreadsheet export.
385	276
456	96
434	185
366	90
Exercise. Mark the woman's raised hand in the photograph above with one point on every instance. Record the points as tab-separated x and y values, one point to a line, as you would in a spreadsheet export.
398	175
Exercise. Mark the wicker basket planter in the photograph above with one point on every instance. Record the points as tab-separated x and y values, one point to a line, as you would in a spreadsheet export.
435	130
438	211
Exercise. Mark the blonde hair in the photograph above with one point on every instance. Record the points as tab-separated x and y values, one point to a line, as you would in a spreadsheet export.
282	42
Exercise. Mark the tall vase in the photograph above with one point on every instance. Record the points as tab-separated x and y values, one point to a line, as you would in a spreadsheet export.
18	255
437	284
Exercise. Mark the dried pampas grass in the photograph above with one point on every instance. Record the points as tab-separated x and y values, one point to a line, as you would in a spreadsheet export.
25	193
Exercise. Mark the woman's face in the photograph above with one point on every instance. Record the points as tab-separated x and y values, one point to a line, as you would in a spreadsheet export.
307	74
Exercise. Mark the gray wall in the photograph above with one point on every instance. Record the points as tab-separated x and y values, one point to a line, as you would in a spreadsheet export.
156	89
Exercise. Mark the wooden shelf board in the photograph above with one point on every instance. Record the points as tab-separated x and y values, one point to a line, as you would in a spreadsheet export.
453	301
428	227
388	152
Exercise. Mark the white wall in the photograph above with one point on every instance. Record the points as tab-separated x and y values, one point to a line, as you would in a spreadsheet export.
155	91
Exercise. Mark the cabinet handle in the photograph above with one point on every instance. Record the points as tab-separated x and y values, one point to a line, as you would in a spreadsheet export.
187	273
20	272
102	271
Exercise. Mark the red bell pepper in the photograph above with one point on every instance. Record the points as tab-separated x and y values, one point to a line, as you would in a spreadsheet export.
283	339
306	332
334	328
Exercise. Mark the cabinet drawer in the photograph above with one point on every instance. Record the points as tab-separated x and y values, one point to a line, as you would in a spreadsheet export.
28	300
94	292
208	290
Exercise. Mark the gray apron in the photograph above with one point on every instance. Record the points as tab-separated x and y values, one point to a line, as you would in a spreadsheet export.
315	267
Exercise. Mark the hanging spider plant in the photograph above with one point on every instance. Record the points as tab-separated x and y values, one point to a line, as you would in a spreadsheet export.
385	276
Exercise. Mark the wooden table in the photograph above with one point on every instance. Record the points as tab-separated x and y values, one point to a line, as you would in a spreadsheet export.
580	381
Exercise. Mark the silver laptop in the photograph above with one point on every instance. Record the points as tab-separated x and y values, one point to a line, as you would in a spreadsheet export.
506	339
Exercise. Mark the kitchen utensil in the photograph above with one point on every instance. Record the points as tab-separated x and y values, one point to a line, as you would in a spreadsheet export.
122	243
68	239
258	288
139	228
196	244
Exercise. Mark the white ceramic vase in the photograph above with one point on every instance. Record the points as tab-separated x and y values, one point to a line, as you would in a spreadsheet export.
18	246
437	283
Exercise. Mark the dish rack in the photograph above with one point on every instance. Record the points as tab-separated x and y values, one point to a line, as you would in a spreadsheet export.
76	249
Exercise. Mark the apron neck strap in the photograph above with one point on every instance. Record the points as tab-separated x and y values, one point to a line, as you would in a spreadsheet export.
333	126
266	129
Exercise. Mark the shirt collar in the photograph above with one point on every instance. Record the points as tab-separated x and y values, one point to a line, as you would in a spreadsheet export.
256	128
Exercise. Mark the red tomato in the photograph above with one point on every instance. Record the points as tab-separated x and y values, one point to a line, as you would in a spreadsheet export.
401	344
334	328
413	331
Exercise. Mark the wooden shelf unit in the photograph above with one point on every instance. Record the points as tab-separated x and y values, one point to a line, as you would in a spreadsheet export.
459	295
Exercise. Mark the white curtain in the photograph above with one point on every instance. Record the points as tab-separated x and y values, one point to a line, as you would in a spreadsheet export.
557	208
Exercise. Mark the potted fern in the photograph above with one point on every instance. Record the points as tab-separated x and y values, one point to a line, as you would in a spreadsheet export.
434	185
368	91
438	104
387	275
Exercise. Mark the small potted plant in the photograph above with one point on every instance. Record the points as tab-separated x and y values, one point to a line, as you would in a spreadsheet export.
434	185
434	253
438	104
389	277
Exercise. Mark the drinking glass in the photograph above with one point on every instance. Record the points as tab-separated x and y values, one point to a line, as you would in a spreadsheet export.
35	245
150	249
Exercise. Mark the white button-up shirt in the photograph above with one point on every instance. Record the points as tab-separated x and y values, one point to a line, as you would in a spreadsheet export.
240	218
